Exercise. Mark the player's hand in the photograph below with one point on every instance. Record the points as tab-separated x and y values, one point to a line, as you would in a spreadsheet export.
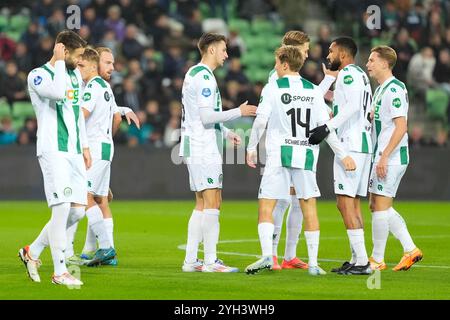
131	116
252	158
59	51
349	163
328	72
318	134
381	167
110	195
87	158
247	110
372	114
234	138
329	96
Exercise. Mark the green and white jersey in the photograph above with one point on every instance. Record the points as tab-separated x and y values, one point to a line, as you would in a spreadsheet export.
353	93
55	94
200	90
390	101
99	100
293	106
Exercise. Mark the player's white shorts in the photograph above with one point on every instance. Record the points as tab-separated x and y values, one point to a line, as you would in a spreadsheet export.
352	183
64	177
98	177
205	173
276	183
389	185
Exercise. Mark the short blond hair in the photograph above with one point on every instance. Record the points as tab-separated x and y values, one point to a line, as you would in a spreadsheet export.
292	55
100	50
90	54
386	53
295	38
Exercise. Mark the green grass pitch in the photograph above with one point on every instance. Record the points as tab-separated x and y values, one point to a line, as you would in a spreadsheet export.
148	236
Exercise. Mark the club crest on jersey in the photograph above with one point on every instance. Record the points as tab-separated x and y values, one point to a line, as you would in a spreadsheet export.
87	96
37	81
396	103
286	98
106	95
348	79
206	92
67	192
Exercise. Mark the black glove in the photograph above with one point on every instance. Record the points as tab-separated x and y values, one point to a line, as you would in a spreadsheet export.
318	134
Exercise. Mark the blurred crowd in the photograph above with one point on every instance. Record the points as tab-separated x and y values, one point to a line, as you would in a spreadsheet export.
154	43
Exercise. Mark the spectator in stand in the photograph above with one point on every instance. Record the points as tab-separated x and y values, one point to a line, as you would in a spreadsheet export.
415	21
173	125
390	17
135	71
324	40
23	58
31	37
405	51
173	61
128	8
131	48
128	95
7	47
139	136
115	22
231	98
236	46
235	72
148	12
96	25
56	23
109	40
101	8
420	71
44	52
12	86
157	121
441	71
193	26
7	133
27	134
85	33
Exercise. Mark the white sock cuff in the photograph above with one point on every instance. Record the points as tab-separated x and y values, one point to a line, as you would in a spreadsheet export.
355	232
312	236
212	212
75	215
380	215
94	215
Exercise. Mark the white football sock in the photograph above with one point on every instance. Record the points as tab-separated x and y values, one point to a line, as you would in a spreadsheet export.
278	215
380	233
353	258
75	215
265	232
95	221
194	236
293	229
90	243
210	232
312	242
398	228
70	239
109	225
356	237
40	243
57	237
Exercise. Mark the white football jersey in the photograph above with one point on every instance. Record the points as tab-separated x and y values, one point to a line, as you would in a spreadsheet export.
59	122
200	90
293	106
99	100
390	101
353	87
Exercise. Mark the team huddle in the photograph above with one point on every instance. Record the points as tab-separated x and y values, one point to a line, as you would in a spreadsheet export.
77	117
368	136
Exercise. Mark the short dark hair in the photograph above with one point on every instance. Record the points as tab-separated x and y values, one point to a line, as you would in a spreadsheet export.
348	44
70	40
208	39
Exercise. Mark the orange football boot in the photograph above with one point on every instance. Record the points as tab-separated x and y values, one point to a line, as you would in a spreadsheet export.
377	265
295	263
408	259
275	266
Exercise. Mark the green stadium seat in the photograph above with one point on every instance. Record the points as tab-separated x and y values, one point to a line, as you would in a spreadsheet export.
14	35
3	23
18	124
437	103
255	43
220	73
19	23
263	27
255	74
23	109
241	25
250	58
5	110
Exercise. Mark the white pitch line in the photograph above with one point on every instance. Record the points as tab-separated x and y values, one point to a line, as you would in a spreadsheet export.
231	253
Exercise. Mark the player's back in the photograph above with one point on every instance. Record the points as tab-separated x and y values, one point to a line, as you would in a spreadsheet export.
99	100
353	87
296	107
199	90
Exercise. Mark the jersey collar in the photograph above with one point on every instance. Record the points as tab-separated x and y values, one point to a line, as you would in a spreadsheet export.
204	65
387	81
